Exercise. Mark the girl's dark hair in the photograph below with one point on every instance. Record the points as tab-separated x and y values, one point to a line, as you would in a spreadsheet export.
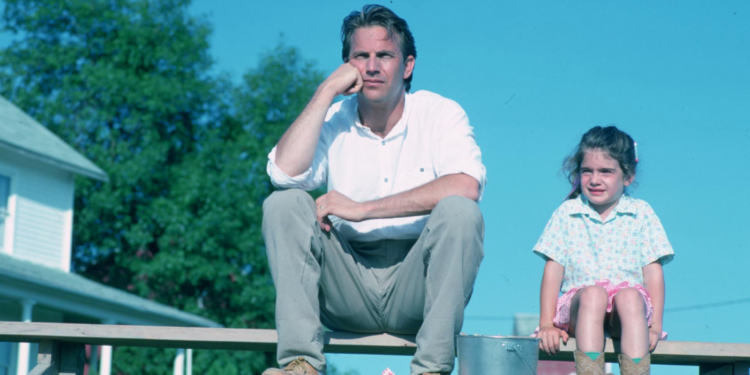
378	15
615	142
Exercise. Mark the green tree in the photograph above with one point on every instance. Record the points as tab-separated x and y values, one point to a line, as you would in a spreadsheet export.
127	83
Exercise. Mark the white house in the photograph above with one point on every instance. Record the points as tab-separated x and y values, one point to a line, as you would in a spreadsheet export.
37	172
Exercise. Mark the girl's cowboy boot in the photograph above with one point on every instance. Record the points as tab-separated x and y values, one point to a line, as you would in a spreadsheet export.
628	367
586	366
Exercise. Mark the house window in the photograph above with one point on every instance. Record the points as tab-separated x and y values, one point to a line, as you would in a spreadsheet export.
4	195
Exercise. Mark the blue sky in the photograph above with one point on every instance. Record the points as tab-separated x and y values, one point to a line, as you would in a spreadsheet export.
533	76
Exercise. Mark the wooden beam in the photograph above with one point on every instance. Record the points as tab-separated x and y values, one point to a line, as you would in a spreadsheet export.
197	338
667	352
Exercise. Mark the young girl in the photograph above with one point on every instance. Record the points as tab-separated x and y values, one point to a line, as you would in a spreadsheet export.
604	253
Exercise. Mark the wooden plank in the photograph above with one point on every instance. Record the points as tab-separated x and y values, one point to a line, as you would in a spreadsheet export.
667	352
197	338
47	352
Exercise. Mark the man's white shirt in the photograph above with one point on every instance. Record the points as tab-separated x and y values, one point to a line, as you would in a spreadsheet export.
432	139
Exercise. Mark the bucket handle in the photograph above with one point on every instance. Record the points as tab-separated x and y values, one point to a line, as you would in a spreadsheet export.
517	349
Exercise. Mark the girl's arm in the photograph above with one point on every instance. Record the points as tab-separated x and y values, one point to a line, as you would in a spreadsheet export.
653	277
549	334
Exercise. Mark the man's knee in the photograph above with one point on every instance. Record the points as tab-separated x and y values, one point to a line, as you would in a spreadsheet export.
287	214
459	221
280	203
462	215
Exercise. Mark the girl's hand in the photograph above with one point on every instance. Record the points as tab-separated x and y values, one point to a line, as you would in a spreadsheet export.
654	335
653	277
550	339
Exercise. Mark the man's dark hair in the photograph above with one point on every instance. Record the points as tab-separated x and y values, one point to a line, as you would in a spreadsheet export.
378	15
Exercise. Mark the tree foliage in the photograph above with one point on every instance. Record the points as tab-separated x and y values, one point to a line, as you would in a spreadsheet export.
128	84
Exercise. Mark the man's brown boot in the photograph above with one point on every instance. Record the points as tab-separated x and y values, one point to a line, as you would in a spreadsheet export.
586	366
628	367
298	367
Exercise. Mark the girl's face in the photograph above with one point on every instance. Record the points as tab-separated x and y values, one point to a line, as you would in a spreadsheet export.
602	181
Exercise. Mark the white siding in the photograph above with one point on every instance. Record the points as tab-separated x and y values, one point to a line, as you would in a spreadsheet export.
7	227
43	211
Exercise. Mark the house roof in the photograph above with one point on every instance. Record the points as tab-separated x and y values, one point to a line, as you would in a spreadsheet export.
21	133
65	291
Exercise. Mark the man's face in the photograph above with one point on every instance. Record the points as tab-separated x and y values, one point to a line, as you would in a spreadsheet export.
380	62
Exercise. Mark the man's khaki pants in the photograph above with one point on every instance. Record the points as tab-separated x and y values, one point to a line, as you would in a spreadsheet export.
397	286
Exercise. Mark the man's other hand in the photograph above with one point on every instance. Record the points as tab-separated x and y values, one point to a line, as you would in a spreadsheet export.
335	203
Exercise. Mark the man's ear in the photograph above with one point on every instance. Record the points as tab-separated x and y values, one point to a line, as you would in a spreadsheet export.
409	66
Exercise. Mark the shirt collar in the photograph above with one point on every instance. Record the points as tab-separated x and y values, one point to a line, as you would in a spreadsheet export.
626	205
397	130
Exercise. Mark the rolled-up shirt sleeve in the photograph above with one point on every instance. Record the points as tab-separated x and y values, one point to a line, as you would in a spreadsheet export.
457	150
311	179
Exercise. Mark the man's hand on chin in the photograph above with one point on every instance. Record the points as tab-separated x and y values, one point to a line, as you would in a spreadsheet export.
335	203
345	80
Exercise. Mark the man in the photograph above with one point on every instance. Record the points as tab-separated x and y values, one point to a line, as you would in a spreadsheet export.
396	243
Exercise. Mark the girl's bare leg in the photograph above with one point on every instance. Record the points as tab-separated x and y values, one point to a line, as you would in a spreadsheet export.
628	322
587	311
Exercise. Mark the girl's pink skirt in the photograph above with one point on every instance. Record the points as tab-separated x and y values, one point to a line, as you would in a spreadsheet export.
562	316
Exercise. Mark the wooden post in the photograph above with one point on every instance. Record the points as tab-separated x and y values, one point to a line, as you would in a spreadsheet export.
189	362
59	358
105	360
45	361
179	362
24	348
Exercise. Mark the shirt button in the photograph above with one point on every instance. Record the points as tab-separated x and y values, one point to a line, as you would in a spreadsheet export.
382	143
386	179
421	169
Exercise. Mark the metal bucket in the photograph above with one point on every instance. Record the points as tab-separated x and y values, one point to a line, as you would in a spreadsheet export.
497	355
